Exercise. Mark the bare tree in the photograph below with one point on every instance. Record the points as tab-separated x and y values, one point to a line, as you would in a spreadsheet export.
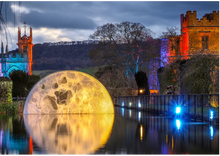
115	80
170	32
124	44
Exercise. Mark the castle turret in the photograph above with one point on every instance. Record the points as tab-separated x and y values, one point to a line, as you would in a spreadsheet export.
6	50
25	45
19	33
30	32
2	51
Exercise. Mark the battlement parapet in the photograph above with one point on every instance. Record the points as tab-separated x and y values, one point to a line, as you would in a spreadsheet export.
15	57
190	19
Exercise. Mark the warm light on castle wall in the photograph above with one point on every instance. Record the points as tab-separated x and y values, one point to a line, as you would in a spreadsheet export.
192	30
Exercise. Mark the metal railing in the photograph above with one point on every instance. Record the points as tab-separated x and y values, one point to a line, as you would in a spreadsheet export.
196	106
19	98
14	98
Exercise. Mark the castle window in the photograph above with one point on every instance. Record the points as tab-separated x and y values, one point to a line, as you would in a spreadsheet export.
25	49
204	42
177	47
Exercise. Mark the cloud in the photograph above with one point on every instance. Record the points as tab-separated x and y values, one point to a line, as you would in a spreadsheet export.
44	34
76	20
61	20
52	15
20	9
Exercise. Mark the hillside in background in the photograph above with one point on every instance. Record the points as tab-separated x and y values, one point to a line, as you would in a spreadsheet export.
61	57
90	70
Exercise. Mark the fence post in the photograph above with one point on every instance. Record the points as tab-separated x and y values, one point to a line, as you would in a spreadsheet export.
168	103
195	105
202	105
164	104
188	97
209	99
219	110
154	103
146	102
157	103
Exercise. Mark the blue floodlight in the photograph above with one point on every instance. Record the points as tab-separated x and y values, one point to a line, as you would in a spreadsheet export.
178	110
211	132
122	104
211	115
178	124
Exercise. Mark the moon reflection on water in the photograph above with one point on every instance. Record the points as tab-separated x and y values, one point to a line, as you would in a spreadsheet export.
70	134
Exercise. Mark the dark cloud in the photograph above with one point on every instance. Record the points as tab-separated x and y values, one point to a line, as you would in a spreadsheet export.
82	15
77	16
60	20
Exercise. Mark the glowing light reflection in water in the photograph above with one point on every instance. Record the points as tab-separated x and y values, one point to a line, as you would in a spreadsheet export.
70	134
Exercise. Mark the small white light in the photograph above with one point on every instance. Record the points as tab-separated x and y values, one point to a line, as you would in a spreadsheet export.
178	110
139	115
139	105
122	104
211	114
129	113
178	124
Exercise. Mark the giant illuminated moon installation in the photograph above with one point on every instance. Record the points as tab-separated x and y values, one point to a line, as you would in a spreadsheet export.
68	92
69	134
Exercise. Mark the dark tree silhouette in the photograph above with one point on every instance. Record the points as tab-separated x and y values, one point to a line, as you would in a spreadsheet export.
20	80
142	82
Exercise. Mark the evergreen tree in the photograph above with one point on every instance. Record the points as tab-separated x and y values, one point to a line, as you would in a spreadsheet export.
20	80
142	82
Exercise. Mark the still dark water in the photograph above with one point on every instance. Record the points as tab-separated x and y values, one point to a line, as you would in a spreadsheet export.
130	132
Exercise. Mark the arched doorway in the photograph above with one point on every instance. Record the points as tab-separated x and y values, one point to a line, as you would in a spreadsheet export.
11	69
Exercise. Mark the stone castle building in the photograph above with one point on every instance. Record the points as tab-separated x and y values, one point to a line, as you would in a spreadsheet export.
198	36
19	60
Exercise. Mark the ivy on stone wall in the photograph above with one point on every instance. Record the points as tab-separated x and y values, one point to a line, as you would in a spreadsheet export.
6	89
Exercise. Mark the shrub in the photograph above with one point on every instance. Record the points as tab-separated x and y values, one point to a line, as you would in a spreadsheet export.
20	80
33	79
9	108
22	83
142	82
6	90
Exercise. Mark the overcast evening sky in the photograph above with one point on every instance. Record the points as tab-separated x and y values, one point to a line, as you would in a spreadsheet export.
54	21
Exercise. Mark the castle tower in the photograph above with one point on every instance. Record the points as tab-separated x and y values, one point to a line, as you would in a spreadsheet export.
25	45
198	36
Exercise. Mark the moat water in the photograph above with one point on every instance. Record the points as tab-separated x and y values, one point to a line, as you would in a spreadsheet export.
132	132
